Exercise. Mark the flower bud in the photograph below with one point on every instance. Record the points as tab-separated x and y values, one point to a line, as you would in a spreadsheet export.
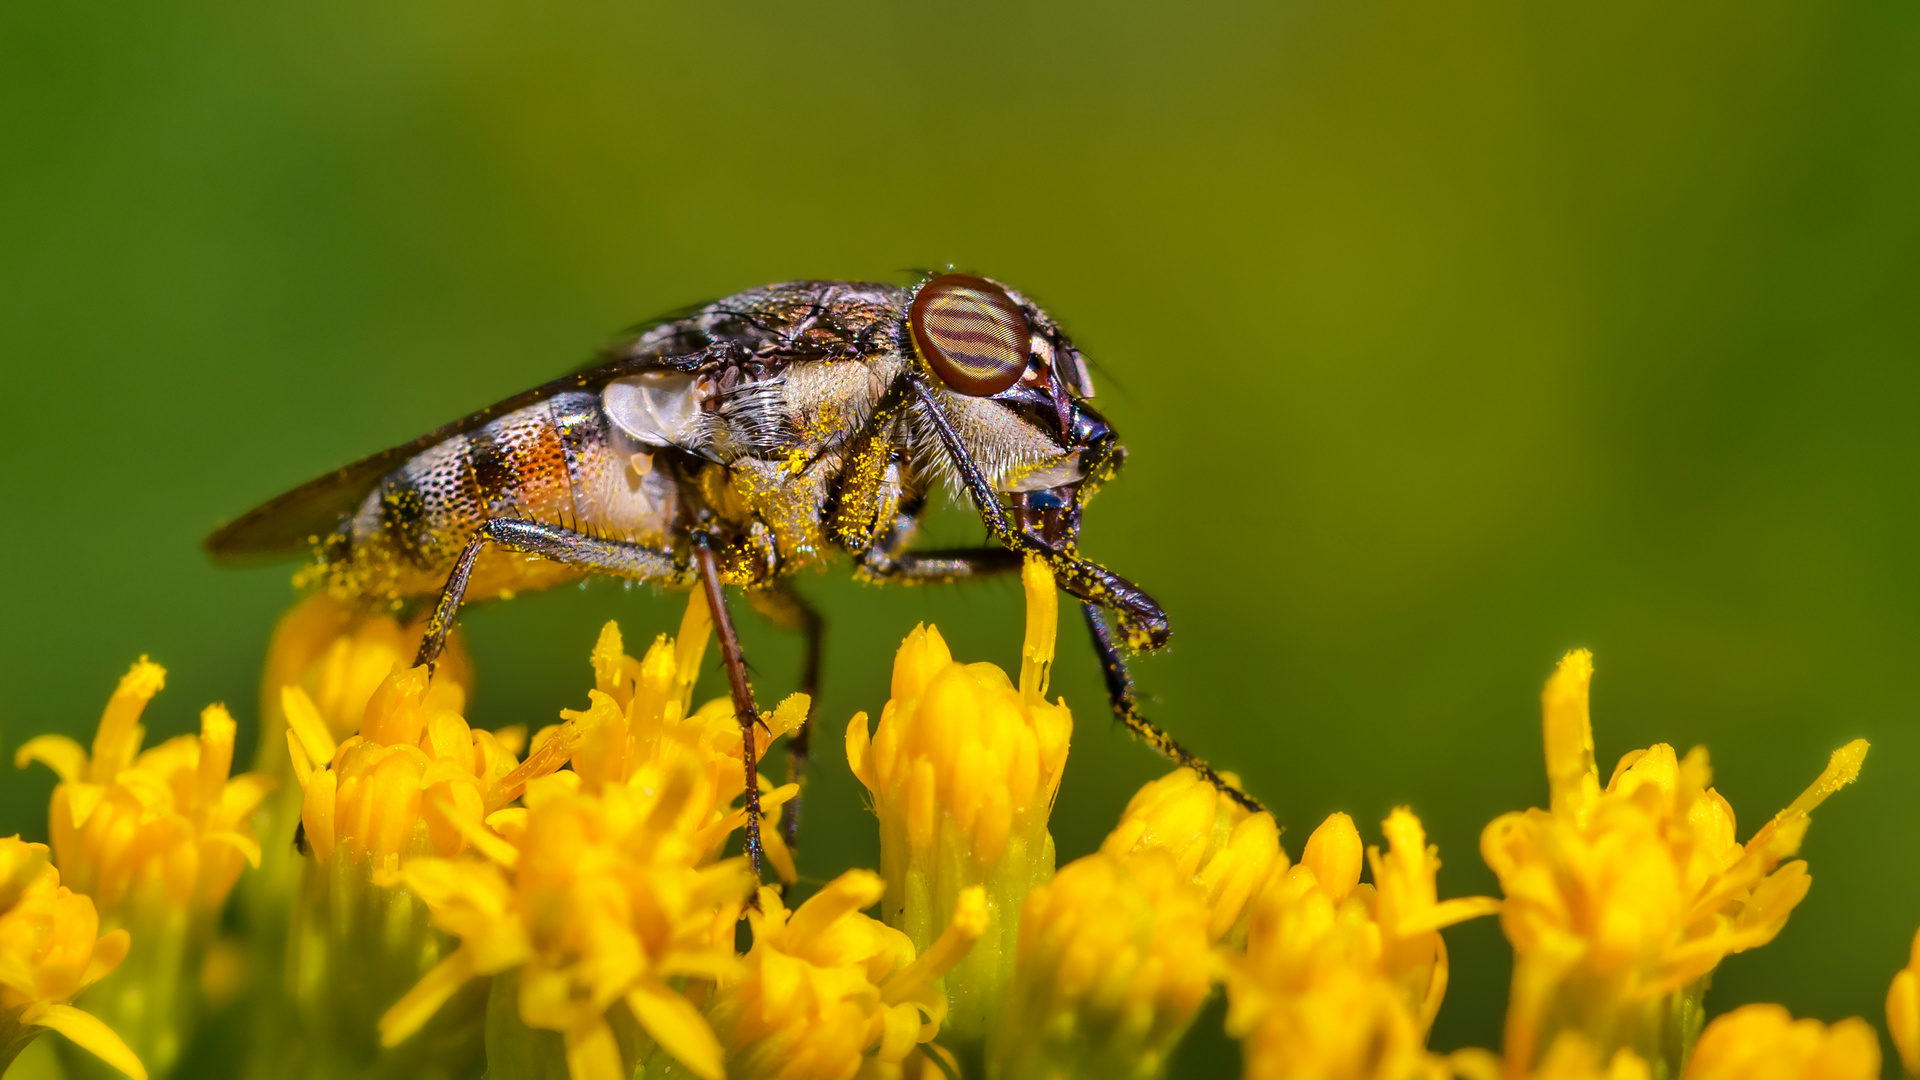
963	768
1113	963
1215	841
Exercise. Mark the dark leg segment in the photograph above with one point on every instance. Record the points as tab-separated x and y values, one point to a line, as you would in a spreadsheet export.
788	610
744	708
549	541
1127	710
957	563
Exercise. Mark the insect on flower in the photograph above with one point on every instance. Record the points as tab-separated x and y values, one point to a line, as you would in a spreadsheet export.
734	445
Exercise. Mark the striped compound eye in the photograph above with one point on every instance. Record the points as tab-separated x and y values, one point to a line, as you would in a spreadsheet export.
971	333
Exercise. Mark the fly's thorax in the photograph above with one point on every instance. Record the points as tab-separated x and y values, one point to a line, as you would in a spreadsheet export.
827	403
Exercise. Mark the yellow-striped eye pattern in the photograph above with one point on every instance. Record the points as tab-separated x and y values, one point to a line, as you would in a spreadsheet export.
971	333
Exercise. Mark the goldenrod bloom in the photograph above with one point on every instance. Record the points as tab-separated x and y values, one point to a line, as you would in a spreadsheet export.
1764	1042
1903	1011
156	840
603	886
1113	962
164	827
593	903
640	710
1229	852
414	780
338	654
50	950
828	992
1342	980
963	768
1621	900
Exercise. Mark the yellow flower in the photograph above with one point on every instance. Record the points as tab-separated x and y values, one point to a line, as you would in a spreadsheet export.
642	709
963	769
1342	980
599	893
829	992
1113	962
1621	900
1227	851
415	780
594	902
165	827
156	840
50	950
1764	1042
1903	1011
338	654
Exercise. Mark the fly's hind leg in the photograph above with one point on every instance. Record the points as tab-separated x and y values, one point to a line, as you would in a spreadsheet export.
735	662
1126	709
624	560
785	608
551	542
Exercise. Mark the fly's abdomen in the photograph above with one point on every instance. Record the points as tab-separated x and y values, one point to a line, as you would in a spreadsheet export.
556	461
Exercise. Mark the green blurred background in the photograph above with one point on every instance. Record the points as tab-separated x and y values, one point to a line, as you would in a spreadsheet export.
1445	338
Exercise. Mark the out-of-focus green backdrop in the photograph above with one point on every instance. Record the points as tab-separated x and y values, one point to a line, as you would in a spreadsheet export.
1445	338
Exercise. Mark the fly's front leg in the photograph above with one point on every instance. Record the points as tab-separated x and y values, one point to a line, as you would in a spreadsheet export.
1141	618
1126	709
788	610
547	541
1096	586
735	662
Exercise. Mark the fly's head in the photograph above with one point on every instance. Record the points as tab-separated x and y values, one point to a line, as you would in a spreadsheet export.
1017	383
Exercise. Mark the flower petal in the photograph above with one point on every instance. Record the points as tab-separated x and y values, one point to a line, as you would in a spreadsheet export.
88	1033
678	1027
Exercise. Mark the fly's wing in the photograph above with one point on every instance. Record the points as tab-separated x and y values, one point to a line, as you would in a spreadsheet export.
287	525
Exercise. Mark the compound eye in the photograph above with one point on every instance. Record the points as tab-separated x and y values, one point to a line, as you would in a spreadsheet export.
971	333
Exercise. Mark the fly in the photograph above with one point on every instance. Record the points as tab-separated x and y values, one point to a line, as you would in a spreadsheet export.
755	437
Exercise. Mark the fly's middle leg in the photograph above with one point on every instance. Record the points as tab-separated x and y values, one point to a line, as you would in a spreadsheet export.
548	541
784	607
735	662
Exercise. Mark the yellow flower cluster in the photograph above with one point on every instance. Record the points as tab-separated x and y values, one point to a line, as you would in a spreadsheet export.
460	907
1621	900
832	994
1113	962
1229	852
50	950
640	712
1342	979
604	892
963	768
338	655
166	828
595	900
155	839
